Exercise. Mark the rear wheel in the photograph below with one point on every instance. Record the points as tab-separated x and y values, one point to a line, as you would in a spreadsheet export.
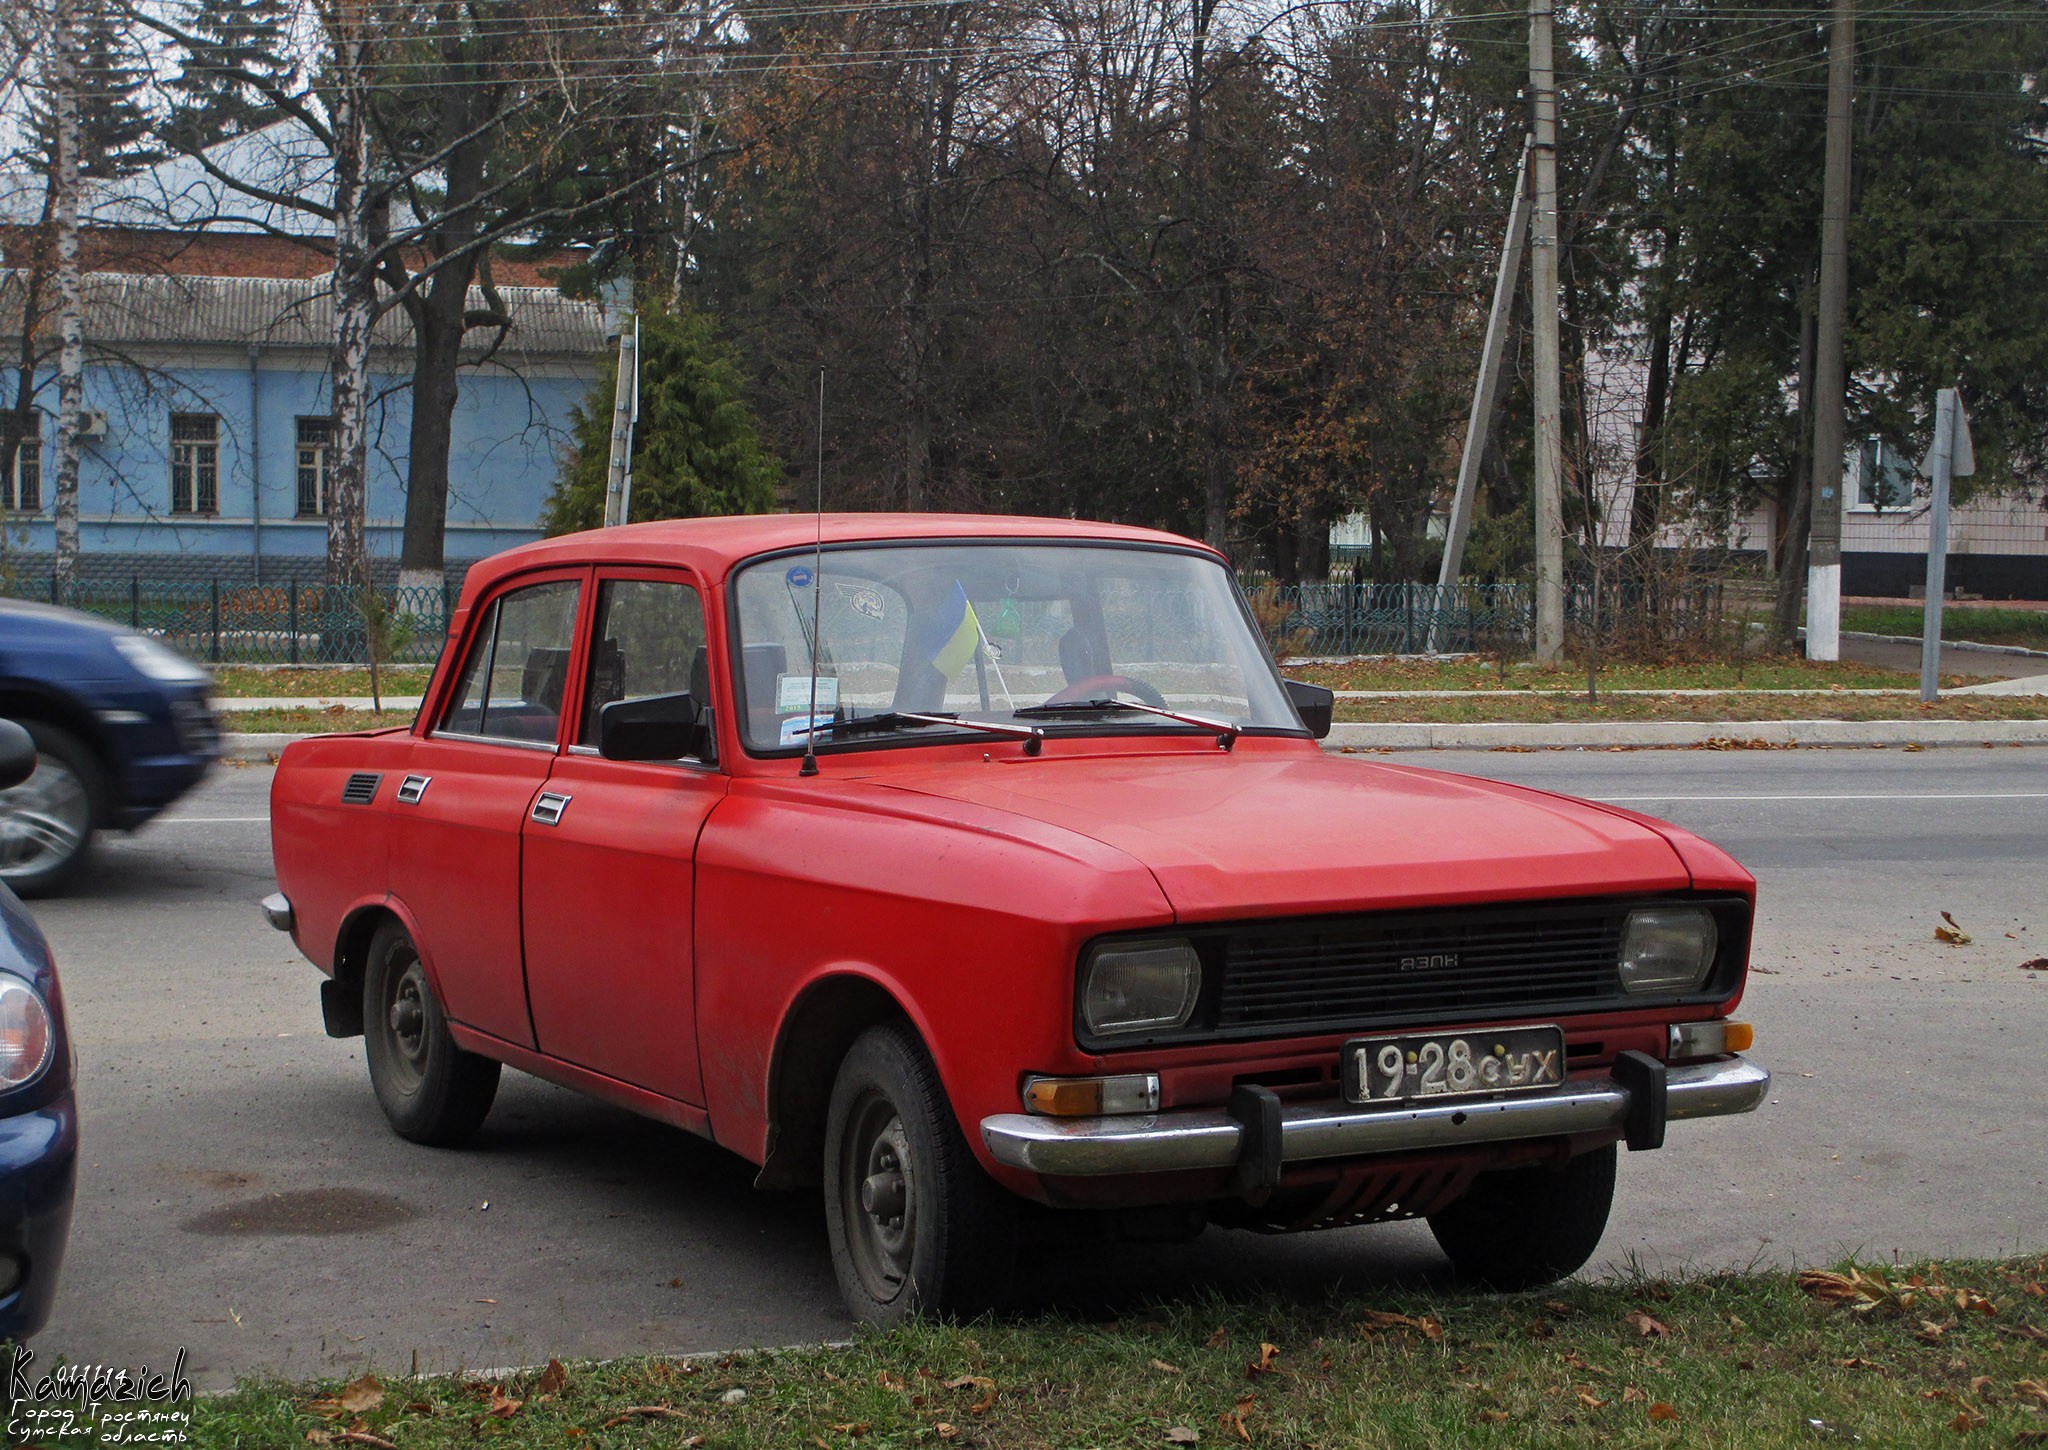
1529	1226
47	822
914	1223
432	1091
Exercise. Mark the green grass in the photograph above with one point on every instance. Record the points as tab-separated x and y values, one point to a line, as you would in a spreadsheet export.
1953	1353
304	681
1479	708
1478	673
1978	624
311	722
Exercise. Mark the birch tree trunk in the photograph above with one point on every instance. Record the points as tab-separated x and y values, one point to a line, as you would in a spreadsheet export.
63	182
354	290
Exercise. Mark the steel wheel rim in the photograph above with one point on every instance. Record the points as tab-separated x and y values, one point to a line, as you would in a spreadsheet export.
403	1016
878	1197
44	821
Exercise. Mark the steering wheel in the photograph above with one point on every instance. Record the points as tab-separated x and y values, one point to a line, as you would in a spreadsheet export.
1097	687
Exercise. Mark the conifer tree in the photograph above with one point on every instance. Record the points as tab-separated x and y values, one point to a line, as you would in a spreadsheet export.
211	97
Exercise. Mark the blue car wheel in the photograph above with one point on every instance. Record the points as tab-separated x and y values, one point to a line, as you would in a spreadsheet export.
47	822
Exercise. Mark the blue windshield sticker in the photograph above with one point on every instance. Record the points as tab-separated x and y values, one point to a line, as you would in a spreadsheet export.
799	576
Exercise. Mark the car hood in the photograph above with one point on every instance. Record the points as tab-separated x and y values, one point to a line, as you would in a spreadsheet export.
1294	833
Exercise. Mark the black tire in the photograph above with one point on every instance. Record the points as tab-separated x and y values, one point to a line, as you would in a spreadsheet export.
892	1143
432	1091
47	822
1529	1226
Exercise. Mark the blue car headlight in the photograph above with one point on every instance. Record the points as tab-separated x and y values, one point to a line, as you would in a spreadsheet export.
27	1035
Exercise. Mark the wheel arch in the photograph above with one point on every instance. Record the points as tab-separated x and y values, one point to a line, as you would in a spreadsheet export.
820	1025
352	941
26	700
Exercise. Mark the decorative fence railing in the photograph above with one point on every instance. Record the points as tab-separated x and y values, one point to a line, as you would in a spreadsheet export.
1363	619
312	623
217	622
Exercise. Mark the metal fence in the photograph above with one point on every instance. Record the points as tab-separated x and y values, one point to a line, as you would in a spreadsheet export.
296	623
1365	619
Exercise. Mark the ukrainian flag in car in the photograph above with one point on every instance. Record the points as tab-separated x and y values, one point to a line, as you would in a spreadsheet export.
953	633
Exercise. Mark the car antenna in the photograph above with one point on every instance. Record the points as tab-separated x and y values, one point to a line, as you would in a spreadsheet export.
810	765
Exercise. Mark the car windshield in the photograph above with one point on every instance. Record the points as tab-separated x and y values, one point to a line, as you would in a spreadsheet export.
1045	635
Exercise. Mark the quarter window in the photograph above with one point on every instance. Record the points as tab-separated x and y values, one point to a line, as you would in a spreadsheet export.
195	463
21	487
518	670
316	437
649	641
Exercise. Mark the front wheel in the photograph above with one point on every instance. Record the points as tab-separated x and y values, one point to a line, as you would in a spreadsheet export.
432	1091
47	822
1529	1226
914	1223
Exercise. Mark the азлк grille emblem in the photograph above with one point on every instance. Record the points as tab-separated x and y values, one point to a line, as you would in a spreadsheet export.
1433	962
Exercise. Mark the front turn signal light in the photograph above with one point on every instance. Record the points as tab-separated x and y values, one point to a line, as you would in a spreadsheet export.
1091	1097
1709	1039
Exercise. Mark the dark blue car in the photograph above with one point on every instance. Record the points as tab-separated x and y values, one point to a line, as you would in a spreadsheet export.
122	727
38	1115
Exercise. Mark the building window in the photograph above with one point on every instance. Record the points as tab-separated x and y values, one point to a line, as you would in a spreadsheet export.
1884	477
316	436
195	463
21	487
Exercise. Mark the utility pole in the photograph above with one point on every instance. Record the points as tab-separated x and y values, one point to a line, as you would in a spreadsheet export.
1951	457
1543	302
625	403
1483	391
1830	373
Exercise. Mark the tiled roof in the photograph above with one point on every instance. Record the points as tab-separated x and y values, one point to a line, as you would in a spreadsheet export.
291	312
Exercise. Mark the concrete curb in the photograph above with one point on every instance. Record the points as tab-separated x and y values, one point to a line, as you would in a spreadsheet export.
1603	734
1563	735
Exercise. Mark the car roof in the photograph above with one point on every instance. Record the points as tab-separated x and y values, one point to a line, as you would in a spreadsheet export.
712	546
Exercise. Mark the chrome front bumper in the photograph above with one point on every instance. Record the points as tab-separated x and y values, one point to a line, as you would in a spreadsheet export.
1211	1138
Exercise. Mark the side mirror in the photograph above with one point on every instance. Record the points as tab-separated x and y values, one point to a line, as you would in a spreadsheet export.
1314	704
17	754
656	727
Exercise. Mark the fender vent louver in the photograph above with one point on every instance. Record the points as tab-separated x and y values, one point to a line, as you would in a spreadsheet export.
361	788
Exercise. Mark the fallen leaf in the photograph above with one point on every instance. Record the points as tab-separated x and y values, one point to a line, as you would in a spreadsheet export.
1964	1422
945	1431
1558	1307
1930	1332
1981	1386
855	1430
1630	1395
1970	1301
360	1396
1646	1325
1591	1401
2038	964
1378	1319
2033	1286
1662	1413
503	1406
975	1381
551	1379
1857	1361
319	1437
1164	1368
888	1381
1183	1435
1494	1417
983	1405
2033	1390
1233	1418
1952	933
365	1439
1264	1363
1218	1338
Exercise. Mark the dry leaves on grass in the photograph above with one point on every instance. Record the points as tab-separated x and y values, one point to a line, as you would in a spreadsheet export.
1863	1291
648	1412
1264	1363
1662	1413
349	1437
357	1397
2033	1390
1378	1321
551	1379
980	1382
1164	1368
1951	932
1183	1435
1219	1338
1234	1417
1646	1324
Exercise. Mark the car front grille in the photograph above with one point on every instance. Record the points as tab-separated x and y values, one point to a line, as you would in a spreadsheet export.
198	732
1419	967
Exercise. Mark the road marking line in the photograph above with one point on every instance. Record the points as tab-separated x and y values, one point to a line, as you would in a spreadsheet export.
2004	795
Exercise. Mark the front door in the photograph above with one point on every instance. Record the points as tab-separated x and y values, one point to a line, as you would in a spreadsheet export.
608	894
475	780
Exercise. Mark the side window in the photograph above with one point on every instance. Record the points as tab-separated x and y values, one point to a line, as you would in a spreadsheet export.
649	641
514	680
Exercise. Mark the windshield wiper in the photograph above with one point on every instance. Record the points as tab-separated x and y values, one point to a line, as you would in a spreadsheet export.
1227	731
1032	736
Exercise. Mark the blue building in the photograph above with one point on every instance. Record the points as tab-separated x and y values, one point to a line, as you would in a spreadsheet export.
206	444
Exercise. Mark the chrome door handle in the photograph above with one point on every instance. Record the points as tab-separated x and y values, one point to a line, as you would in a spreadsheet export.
548	808
412	788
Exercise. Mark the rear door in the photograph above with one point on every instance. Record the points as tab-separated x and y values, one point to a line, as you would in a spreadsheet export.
608	896
474	782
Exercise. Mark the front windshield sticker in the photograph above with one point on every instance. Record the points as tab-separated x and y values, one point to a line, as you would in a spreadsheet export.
795	730
799	576
793	692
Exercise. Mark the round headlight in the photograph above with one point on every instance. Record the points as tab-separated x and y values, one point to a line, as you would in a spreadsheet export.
1143	986
1667	949
27	1036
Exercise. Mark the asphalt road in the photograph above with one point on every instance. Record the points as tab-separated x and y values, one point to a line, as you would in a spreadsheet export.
240	1196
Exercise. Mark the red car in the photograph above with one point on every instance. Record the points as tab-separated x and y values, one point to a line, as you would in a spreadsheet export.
977	869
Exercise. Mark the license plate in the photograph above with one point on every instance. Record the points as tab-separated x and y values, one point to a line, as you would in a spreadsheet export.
1439	1065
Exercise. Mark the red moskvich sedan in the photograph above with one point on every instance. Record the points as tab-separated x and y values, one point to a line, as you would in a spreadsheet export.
977	868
